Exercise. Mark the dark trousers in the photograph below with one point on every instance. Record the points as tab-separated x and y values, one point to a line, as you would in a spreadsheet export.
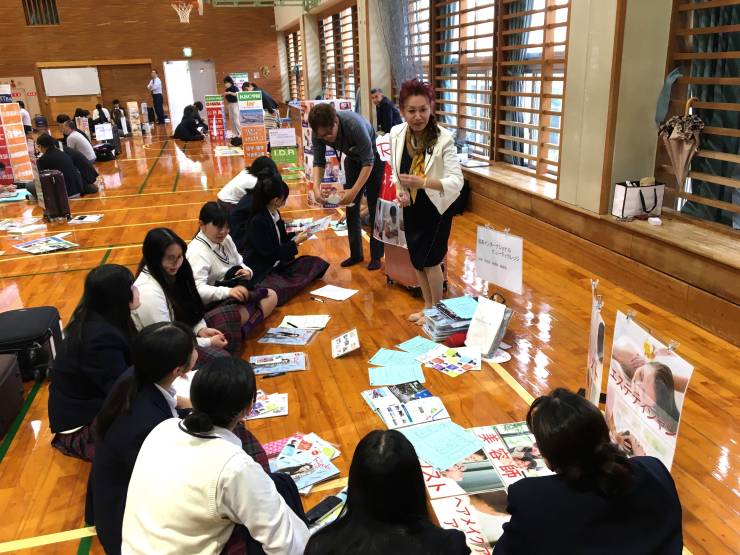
352	169
159	107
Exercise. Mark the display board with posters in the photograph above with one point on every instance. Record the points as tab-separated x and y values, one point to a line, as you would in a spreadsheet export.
83	126
645	392
595	365
14	152
331	186
252	122
215	117
134	118
240	77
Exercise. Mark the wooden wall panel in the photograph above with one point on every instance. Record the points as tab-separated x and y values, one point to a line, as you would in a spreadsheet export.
122	83
236	39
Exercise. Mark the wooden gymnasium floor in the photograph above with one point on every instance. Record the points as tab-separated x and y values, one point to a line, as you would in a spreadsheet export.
161	182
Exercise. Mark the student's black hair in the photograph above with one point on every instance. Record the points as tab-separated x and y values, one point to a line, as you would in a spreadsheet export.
220	391
212	213
286	191
79	113
188	112
198	105
107	294
246	85
263	163
228	79
21	104
61	118
573	437
47	141
157	351
385	490
180	290
101	114
116	101
268	187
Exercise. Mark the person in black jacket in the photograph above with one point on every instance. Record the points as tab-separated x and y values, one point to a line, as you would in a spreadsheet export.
140	400
187	129
386	112
54	159
598	501
95	352
87	171
386	509
201	125
271	251
240	215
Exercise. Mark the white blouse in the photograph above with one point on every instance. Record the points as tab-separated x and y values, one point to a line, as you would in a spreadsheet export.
210	262
235	189
156	308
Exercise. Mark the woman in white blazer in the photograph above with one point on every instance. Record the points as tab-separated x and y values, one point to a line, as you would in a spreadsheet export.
428	178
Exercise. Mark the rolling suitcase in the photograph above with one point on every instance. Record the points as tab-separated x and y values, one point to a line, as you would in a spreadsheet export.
11	391
398	269
33	335
53	197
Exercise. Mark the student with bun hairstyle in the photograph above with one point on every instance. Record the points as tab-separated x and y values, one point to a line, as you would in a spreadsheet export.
598	501
387	510
95	352
214	494
141	399
240	191
270	251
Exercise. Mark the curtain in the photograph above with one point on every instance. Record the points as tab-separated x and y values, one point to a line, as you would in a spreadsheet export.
403	46
716	42
516	86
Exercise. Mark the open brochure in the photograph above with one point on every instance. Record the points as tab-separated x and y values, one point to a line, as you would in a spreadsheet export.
405	404
287	336
273	364
488	326
266	406
45	245
306	469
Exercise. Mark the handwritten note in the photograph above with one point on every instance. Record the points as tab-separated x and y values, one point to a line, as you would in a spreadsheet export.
389	357
464	306
418	345
499	258
394	375
442	444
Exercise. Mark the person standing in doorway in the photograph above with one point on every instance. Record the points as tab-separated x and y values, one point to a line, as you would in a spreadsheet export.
155	85
25	117
386	112
232	105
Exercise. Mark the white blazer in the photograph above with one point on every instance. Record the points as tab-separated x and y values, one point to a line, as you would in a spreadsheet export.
441	164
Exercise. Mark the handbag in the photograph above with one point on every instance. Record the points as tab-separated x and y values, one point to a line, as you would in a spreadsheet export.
633	201
232	280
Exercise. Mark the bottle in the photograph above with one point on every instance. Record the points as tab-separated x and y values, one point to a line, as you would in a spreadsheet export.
465	154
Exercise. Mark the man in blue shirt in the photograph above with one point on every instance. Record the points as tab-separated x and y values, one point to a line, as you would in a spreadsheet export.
155	85
387	113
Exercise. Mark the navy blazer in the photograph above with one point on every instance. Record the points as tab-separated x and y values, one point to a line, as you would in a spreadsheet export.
266	245
114	462
239	221
80	385
549	516
84	166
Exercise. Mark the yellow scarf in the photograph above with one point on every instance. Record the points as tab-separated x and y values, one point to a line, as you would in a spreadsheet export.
417	152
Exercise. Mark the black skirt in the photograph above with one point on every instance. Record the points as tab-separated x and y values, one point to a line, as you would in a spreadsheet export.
427	231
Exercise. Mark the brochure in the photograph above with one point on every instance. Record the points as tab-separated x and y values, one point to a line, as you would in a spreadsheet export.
267	406
333	292
306	322
345	343
86	219
306	469
273	364
405	404
311	443
480	517
452	361
287	336
45	245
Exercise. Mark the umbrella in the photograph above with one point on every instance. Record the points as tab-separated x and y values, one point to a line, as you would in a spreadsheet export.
680	136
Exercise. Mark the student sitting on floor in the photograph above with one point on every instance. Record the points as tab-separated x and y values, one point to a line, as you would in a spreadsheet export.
87	171
100	115
168	294
598	501
219	270
187	129
95	352
77	140
212	495
54	159
201	125
140	400
387	510
271	251
239	191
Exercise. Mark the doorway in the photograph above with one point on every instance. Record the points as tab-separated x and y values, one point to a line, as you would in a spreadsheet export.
188	81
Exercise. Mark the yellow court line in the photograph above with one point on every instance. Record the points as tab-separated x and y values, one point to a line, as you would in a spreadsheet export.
48	539
511	382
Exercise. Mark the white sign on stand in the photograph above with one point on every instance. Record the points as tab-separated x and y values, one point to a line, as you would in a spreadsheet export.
283	137
104	132
499	258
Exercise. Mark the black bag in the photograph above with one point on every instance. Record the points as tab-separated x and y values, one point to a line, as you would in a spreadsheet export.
104	152
115	142
33	335
236	141
11	391
231	279
53	198
151	115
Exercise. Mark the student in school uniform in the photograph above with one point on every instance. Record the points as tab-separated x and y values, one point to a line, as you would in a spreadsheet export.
220	273
140	400
87	171
387	510
54	159
187	129
236	198
100	114
202	126
211	494
598	500
95	352
168	294
270	251
429	179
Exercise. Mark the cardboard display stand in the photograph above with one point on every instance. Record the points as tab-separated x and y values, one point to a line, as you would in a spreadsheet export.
14	151
134	118
215	117
252	121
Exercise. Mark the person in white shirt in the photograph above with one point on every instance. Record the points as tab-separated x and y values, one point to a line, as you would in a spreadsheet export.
168	294
220	273
25	117
77	141
100	114
231	193
208	487
155	86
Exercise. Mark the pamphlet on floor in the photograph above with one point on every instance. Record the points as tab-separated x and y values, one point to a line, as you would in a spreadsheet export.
267	406
287	336
273	364
405	404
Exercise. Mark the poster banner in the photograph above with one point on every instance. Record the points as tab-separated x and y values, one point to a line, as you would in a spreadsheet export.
499	258
283	137
284	155
134	118
331	187
6	93
6	174
645	392
389	223
595	366
240	77
14	150
252	121
215	117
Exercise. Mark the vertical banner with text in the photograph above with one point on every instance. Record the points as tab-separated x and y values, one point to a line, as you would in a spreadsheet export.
14	151
252	121
134	117
215	117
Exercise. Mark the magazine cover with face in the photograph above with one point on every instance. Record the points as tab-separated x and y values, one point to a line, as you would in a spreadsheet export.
480	517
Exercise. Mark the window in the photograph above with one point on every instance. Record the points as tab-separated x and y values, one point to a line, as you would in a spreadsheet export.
340	54
294	48
498	68
41	12
419	40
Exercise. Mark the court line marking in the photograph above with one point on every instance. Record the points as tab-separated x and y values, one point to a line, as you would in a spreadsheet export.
154	165
48	539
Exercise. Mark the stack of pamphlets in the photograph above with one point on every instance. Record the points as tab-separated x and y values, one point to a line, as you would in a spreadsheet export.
405	404
266	406
448	317
307	458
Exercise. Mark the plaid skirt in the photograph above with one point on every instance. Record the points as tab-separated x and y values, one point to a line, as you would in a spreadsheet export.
79	444
252	446
288	280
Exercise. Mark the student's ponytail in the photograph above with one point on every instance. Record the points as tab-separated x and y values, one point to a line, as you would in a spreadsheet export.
612	471
269	186
198	422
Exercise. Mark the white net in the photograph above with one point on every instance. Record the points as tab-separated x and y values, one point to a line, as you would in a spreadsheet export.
183	11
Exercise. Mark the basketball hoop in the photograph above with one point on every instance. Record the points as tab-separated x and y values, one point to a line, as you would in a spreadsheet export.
183	10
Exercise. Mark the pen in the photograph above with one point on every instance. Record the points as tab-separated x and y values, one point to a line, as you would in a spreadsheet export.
274	375
317	300
291	325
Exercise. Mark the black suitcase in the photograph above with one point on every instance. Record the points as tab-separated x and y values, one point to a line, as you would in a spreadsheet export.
53	198
33	335
151	115
11	391
104	152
